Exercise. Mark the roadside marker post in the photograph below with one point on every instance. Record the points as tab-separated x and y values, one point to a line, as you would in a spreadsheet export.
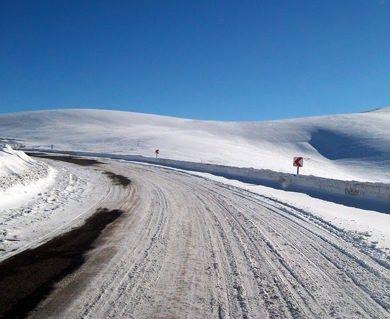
298	162
157	151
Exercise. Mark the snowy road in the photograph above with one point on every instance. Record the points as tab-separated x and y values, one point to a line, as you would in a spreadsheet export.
188	247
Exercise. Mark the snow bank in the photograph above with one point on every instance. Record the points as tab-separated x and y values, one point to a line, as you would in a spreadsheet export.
16	168
352	193
33	213
370	226
344	147
12	161
366	195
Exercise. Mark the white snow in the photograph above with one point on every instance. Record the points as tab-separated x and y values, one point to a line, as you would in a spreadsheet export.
21	176
37	199
45	209
374	227
347	147
279	236
371	226
342	147
366	195
17	195
12	165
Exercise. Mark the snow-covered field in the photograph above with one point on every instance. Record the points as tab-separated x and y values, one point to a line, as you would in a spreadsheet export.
347	147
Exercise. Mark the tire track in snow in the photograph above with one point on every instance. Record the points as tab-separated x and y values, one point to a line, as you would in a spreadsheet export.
193	248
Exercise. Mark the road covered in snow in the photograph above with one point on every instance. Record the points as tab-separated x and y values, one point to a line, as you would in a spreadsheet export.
189	247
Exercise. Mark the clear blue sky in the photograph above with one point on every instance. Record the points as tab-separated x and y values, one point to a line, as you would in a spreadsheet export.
199	59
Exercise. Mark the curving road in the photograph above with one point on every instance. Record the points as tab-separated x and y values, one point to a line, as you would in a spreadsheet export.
188	247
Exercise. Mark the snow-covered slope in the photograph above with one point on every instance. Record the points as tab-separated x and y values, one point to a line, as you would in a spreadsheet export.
352	146
18	168
21	178
12	162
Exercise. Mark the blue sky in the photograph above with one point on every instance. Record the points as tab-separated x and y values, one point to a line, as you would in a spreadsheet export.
227	60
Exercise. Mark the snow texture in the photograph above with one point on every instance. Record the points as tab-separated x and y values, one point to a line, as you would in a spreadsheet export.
18	169
371	226
38	200
188	247
49	206
366	195
345	147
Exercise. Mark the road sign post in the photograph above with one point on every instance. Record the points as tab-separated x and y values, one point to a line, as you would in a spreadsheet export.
298	162
157	151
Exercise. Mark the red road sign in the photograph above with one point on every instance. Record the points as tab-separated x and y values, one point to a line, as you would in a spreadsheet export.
298	162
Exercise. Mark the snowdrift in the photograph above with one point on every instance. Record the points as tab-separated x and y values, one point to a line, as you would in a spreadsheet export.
343	147
16	168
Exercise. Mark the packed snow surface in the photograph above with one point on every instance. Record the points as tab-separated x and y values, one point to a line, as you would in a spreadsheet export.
349	147
371	226
189	247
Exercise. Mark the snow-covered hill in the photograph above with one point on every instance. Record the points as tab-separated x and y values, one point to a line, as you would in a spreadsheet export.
351	146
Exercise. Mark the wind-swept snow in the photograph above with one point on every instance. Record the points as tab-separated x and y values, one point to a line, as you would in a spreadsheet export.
350	147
